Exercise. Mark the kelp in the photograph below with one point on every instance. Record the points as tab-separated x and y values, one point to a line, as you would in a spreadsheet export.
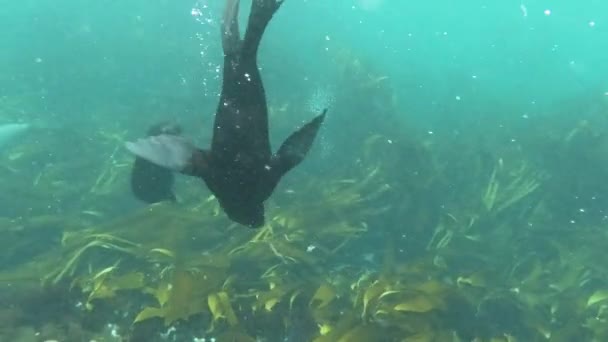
274	272
188	293
504	191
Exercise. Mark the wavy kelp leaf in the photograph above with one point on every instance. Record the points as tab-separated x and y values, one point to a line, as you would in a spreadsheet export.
319	306
160	215
344	229
270	303
285	221
129	281
269	299
568	278
333	332
184	297
405	299
377	289
420	304
161	293
474	280
324	329
294	297
104	284
220	307
290	252
324	295
406	323
91	241
148	313
163	251
597	296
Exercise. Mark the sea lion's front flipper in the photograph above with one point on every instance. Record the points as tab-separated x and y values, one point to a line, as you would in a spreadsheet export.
231	39
296	146
168	151
172	152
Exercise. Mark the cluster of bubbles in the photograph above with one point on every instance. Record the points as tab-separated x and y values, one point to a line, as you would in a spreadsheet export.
206	37
322	98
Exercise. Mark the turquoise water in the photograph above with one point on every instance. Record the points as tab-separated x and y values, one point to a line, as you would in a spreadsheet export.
474	132
433	51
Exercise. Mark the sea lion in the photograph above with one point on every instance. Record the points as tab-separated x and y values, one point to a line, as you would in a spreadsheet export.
240	168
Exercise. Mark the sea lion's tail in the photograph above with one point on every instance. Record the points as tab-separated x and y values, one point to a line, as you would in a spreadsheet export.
231	36
296	146
259	17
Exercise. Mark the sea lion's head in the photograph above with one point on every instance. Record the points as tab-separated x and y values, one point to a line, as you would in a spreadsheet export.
247	214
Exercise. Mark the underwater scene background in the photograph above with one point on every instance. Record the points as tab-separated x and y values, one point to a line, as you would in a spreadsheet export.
457	191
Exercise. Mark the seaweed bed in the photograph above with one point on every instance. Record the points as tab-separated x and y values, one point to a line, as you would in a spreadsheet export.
414	239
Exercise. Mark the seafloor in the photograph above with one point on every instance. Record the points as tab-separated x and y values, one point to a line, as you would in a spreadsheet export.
394	234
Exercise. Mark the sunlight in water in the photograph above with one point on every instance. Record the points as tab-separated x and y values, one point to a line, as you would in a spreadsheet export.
370	5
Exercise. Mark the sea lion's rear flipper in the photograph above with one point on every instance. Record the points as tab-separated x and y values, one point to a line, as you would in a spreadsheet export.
296	146
231	37
259	17
151	183
173	153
